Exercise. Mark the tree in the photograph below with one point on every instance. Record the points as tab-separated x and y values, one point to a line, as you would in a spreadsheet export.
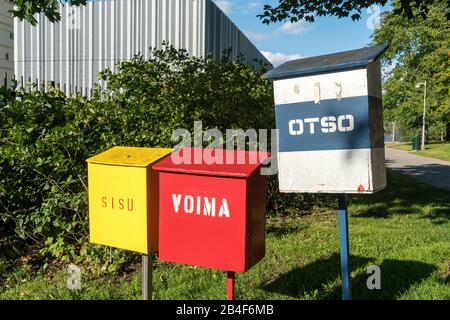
295	10
419	50
26	9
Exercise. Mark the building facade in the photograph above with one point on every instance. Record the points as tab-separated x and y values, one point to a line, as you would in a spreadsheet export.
6	44
90	38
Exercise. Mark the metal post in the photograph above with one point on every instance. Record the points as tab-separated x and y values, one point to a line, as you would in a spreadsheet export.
344	246
230	285
147	274
424	114
393	132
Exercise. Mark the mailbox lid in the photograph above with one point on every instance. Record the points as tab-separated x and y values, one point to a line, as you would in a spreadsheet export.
130	156
253	160
329	63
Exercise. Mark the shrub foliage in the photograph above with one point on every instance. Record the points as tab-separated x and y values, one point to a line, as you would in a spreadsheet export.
46	137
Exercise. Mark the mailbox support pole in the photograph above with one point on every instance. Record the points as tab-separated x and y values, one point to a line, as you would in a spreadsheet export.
147	276
230	285
343	238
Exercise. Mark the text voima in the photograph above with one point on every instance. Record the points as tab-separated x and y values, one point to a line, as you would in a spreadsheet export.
210	207
331	124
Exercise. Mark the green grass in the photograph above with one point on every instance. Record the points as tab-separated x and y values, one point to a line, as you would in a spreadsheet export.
437	150
404	229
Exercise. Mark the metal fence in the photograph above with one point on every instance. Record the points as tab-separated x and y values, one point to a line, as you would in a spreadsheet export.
35	84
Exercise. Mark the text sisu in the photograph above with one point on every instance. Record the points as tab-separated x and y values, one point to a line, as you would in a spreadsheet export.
117	203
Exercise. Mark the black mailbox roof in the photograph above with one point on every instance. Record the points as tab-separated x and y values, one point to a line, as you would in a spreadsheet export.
353	59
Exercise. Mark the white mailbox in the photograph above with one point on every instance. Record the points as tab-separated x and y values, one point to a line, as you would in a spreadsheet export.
330	121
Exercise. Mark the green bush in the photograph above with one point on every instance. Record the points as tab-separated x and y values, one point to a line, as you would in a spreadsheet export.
46	138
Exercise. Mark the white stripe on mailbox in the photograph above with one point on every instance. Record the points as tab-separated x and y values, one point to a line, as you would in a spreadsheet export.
345	84
331	171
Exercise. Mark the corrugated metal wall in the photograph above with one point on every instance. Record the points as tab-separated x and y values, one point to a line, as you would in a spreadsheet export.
221	33
6	44
90	38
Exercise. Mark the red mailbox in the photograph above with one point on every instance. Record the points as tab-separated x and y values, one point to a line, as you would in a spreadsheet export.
212	215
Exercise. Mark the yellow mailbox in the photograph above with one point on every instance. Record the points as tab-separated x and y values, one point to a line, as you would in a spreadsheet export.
123	198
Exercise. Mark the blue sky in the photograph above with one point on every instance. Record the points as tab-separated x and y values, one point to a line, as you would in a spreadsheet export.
282	41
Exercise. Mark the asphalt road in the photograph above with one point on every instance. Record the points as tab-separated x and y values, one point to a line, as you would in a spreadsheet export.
428	170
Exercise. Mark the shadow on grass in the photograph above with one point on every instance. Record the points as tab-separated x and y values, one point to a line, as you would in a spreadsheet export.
281	229
316	279
312	277
397	277
404	195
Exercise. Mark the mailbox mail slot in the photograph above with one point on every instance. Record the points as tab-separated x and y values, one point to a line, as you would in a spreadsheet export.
330	122
212	216
123	198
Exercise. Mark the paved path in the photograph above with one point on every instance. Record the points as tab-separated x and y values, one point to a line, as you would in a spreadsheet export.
428	170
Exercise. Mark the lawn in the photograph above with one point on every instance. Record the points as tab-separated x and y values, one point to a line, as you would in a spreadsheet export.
437	150
405	230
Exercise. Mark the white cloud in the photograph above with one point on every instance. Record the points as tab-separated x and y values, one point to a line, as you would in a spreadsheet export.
296	28
225	5
254	4
260	36
278	58
248	7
